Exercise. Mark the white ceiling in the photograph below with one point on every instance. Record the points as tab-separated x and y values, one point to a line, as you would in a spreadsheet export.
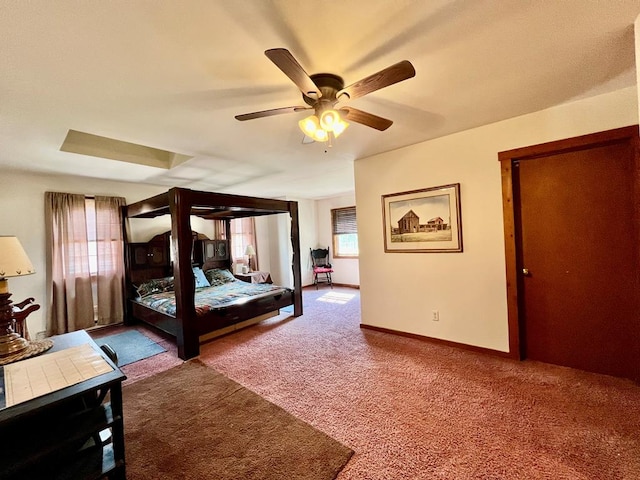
172	75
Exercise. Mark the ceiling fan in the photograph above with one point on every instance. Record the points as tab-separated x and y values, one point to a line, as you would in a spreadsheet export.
326	94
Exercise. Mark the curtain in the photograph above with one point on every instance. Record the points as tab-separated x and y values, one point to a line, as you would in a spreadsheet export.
85	265
69	297
243	234
219	230
110	259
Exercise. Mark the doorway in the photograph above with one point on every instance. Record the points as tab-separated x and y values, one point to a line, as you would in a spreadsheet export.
572	213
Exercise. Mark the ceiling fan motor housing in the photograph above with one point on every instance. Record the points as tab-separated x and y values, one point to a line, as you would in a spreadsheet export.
329	85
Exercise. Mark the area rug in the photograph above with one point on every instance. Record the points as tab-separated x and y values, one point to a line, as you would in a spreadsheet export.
131	346
192	423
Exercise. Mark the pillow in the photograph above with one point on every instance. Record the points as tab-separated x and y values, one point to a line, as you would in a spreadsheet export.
201	280
157	285
219	276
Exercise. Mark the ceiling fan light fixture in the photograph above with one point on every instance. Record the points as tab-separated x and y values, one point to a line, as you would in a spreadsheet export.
329	119
320	135
310	126
339	127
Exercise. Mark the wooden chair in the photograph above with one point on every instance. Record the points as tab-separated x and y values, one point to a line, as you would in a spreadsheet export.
322	269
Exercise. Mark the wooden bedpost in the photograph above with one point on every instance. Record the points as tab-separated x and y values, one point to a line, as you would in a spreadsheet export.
187	337
297	275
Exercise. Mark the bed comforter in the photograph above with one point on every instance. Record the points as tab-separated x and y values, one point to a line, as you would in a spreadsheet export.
212	298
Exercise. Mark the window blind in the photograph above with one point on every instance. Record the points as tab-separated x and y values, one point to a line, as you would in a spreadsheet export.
344	220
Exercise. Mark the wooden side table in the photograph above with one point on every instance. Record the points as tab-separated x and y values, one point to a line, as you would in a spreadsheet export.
254	277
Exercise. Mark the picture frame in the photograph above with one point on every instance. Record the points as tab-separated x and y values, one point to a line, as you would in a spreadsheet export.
427	220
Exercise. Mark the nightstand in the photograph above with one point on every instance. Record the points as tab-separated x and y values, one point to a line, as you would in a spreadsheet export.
254	277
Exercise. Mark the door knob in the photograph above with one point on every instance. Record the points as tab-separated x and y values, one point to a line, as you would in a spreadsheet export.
525	272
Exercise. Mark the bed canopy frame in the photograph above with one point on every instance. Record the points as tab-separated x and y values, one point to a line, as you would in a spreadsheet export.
181	204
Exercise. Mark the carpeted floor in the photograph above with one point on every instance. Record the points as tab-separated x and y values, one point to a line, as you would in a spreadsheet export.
411	409
192	423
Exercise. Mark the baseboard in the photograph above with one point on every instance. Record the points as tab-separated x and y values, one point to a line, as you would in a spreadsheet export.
324	284
347	285
464	346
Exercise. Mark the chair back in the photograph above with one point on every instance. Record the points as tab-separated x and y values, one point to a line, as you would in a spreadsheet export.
320	257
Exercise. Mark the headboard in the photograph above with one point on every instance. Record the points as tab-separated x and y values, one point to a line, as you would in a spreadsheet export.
146	261
212	254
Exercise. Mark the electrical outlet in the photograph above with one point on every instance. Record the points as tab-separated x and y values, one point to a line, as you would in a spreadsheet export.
435	315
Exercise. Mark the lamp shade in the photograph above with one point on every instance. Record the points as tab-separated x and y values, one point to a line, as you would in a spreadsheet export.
310	126
13	259
339	127
328	119
249	250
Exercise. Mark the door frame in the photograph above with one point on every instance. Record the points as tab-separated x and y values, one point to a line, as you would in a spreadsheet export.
512	242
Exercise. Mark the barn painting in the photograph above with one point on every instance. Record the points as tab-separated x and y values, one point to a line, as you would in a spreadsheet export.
423	220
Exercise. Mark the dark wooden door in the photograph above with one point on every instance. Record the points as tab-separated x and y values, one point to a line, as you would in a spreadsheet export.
576	229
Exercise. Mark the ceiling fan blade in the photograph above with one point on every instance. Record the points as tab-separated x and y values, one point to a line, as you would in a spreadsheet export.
395	73
292	69
269	113
368	119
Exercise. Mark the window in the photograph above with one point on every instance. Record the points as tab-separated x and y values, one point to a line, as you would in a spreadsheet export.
85	249
103	238
90	219
345	232
243	234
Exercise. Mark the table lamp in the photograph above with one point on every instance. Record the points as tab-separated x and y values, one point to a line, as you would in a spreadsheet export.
13	263
249	252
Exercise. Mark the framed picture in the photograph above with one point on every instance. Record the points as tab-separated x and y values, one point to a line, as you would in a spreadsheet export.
426	220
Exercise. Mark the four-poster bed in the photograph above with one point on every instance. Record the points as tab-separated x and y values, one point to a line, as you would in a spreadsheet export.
150	261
